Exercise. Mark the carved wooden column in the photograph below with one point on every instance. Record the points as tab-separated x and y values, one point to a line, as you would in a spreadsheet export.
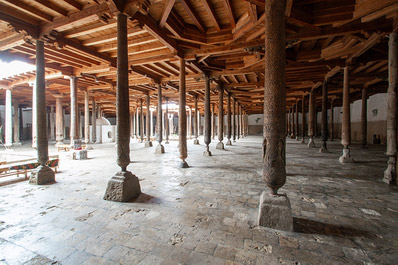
182	118
213	122
220	144
59	120
390	174
52	123
297	129
93	121
207	133
86	119
124	186
346	122
190	122
42	174
195	122
275	211
74	127
288	122
293	136
159	121
34	116
332	119
8	118
234	120
141	121
148	142
17	117
324	127
364	118
166	124
229	126
303	120
311	117
239	122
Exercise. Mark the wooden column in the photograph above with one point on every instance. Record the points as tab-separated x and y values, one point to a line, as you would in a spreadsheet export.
148	142
17	117
332	119
297	129
182	118
8	120
213	121
34	116
220	144
293	136
311	117
52	123
288	122
207	133
124	186
93	121
166	124
324	127
238	119
390	174
229	126
364	117
59	120
195	121
159	121
141	120
190	122
86	118
303	120
74	110
346	121
42	174
275	211
234	121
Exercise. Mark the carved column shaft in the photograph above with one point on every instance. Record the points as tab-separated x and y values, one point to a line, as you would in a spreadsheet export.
220	114
182	116
229	126
8	116
364	117
86	118
195	122
159	118
141	120
324	116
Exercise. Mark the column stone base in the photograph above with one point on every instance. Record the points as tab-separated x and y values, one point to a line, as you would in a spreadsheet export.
183	164
390	173
292	136
89	147
148	144
275	212
167	142
207	152
323	150
220	146
17	143
123	187
297	138
303	140
229	142
346	157
42	175
79	154
196	141
159	149
311	143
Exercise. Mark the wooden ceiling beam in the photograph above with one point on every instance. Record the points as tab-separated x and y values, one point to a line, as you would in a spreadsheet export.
53	7
227	6
212	14
166	12
192	14
26	8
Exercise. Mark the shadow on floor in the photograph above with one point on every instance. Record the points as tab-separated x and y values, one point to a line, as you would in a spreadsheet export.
13	181
306	226
146	198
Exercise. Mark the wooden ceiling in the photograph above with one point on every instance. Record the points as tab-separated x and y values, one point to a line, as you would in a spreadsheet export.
223	38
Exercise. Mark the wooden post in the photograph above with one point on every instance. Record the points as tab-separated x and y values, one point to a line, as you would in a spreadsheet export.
159	121
182	118
8	116
229	126
141	121
346	123
166	124
297	120
364	118
324	127
303	120
220	144
207	134
195	121
332	120
148	142
213	122
86	118
311	117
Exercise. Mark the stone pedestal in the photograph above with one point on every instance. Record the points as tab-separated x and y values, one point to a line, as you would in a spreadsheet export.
229	142
303	140
207	153
323	150
79	154
390	172
148	144
275	212
123	187
159	149
196	141
346	157
220	146
311	143
183	164
42	175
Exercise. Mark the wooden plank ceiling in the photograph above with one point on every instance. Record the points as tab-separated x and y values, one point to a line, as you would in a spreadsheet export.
223	38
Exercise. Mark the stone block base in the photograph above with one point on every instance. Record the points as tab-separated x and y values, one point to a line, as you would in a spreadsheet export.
166	142
148	144
79	154
183	164
220	146
311	143
123	187
323	150
206	153
346	157
42	175
390	172
229	142
303	140
159	149
196	141
275	212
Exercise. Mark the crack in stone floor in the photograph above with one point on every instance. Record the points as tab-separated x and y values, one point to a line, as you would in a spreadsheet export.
343	214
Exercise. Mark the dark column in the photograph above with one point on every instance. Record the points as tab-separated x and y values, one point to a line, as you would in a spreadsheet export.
390	174
141	121
166	124
42	174
229	126
293	136
288	122
220	144
303	120
239	125
234	121
195	121
148	142
297	129
159	121
93	121
346	122
207	138
275	211
311	117
124	186
324	127
332	120
213	122
364	118
74	125
59	120
182	118
86	118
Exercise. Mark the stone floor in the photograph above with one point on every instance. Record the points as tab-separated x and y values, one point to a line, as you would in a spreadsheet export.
343	214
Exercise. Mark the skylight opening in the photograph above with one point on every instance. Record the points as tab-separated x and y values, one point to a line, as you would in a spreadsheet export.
8	69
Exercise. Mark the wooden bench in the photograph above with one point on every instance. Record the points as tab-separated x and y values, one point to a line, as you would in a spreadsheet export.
22	167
